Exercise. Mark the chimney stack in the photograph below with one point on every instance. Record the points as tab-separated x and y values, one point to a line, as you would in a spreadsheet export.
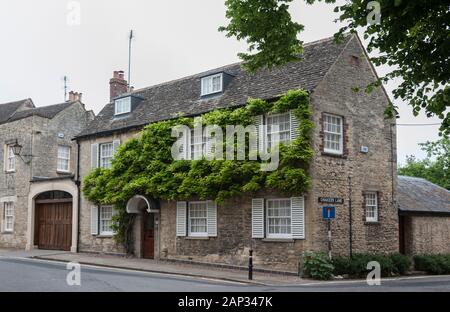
75	96
117	85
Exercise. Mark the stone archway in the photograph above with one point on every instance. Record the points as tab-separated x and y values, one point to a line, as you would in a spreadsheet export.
145	226
40	187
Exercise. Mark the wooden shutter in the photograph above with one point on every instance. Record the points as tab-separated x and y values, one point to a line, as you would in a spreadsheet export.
258	218
298	217
212	218
294	125
181	218
94	155
186	147
3	210
253	144
94	220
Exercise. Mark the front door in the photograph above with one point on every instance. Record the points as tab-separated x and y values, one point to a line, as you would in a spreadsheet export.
54	225
148	243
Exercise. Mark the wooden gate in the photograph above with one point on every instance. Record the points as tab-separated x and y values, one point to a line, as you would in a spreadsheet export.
54	225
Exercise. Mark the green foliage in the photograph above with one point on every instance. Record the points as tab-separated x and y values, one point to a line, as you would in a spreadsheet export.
412	38
401	263
435	167
316	265
267	27
144	165
433	264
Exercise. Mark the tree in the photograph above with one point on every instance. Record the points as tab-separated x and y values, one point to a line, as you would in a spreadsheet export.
412	37
435	167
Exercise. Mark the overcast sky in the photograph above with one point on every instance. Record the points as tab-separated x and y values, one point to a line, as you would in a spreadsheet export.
174	38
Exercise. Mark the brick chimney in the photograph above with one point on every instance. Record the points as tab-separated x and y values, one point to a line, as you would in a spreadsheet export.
75	96
117	85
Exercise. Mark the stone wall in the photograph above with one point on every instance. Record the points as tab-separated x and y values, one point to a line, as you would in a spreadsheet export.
427	234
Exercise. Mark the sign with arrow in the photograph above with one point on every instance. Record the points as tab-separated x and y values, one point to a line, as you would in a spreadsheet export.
329	212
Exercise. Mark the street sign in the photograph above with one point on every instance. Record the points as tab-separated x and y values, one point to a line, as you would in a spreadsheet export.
331	200
329	212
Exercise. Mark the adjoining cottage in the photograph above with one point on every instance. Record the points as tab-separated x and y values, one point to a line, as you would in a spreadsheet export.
353	166
38	189
424	210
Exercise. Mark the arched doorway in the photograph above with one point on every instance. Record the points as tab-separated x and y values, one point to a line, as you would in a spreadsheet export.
146	225
53	220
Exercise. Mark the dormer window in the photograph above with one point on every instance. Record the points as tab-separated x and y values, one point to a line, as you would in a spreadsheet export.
122	105
212	84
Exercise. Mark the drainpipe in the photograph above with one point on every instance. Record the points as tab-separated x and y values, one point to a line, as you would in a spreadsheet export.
78	183
350	216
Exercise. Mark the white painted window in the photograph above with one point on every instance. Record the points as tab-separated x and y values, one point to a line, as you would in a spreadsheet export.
278	218
9	216
371	206
63	158
106	154
198	218
106	213
198	145
10	159
122	106
283	123
212	84
333	134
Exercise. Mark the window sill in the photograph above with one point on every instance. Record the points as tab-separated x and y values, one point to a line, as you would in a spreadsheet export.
197	237
105	236
10	171
278	240
63	172
372	222
7	232
333	155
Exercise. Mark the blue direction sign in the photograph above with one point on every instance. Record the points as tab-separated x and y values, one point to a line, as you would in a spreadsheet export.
329	212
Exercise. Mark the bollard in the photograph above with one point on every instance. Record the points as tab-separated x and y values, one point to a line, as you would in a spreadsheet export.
250	265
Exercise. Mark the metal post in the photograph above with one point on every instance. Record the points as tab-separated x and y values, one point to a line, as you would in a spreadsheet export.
250	265
329	238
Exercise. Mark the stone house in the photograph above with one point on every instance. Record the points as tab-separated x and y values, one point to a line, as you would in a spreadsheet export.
424	212
353	167
38	192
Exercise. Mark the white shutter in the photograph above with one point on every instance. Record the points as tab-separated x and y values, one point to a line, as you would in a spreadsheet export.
181	218
94	220
294	125
116	144
3	219
187	144
94	155
212	218
253	145
298	217
258	218
259	121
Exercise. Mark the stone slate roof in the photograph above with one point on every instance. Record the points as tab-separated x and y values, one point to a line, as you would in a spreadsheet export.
416	195
8	109
168	100
49	111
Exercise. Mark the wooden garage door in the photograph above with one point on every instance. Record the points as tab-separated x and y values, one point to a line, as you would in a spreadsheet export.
54	225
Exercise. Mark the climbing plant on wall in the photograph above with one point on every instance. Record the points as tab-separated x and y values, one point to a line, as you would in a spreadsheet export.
144	165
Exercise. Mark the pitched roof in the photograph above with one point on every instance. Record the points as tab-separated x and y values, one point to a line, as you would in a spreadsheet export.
8	109
168	100
49	111
421	196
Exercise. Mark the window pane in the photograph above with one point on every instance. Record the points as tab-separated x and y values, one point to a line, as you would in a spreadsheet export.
278	217
284	129
198	218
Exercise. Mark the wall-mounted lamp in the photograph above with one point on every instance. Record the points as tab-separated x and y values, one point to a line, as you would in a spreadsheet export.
17	149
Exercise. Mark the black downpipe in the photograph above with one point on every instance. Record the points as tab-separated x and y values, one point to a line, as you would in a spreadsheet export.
78	183
350	216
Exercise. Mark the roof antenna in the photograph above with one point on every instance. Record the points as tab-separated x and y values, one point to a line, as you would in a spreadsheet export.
65	88
129	59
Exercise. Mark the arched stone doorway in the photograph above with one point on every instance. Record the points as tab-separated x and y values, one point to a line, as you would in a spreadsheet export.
53	220
53	191
145	227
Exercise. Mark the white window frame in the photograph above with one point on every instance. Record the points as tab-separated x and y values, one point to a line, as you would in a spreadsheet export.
8	208
371	202
278	235
193	153
107	158
197	234
327	132
270	132
63	158
102	219
122	106
10	159
208	84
